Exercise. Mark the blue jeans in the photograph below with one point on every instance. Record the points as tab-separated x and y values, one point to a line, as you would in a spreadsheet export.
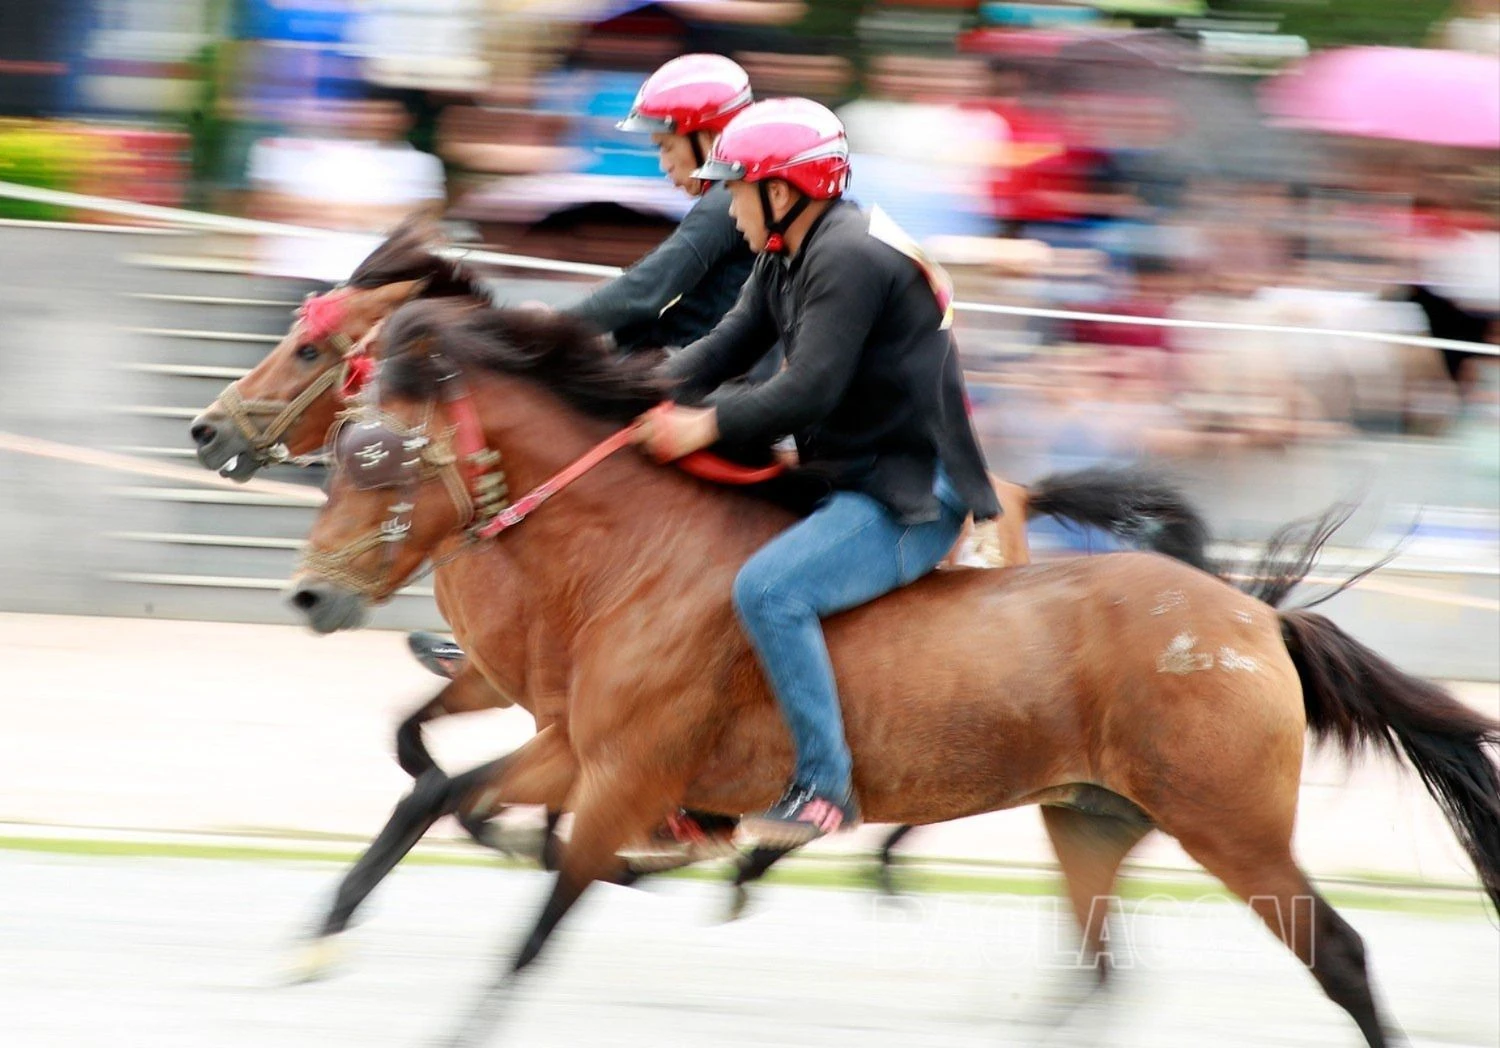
849	551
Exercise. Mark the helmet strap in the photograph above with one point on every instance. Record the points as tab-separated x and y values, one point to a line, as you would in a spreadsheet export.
697	187
776	228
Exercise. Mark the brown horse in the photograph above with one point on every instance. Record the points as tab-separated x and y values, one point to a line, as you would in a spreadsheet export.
1122	693
299	387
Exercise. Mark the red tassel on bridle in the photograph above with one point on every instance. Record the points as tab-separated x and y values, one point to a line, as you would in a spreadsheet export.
323	315
360	368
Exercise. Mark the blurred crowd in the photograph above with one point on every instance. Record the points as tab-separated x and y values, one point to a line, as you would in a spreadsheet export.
1150	161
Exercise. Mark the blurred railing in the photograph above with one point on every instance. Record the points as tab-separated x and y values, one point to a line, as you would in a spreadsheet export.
252	227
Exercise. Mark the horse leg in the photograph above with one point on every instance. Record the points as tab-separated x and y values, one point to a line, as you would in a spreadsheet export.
755	864
433	796
551	853
540	772
467	692
748	868
611	810
411	748
1090	848
1280	894
412	817
550	776
885	880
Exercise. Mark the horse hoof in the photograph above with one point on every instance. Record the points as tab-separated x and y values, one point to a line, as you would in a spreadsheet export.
314	959
522	843
1071	1003
739	899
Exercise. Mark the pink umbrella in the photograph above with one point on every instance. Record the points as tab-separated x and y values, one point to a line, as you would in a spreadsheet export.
1447	98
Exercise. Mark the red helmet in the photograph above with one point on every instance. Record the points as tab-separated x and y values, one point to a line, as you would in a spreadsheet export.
794	139
691	93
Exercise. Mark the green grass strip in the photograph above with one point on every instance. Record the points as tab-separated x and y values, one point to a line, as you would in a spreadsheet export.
825	872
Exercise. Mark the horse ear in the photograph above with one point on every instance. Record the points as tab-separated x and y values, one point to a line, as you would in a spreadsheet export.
388	297
418	230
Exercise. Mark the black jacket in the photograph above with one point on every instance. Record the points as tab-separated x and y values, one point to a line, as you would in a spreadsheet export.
678	292
872	390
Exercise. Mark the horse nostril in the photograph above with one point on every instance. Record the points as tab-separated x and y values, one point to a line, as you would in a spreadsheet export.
203	433
306	599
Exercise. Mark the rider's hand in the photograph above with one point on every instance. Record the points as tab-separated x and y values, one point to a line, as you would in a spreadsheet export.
984	545
669	431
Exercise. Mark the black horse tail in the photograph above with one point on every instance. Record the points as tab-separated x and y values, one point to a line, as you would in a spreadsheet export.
1132	504
1357	699
1291	553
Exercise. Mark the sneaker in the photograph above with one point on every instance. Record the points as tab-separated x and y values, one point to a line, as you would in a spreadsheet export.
439	656
800	816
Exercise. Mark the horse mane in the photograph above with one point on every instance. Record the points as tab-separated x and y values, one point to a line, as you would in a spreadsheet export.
558	352
410	253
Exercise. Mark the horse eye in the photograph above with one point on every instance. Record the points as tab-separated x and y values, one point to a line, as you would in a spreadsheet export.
307	351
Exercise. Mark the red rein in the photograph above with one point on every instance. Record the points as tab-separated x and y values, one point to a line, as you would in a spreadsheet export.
700	464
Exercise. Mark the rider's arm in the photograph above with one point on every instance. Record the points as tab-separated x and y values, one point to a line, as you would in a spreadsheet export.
736	343
640	294
839	305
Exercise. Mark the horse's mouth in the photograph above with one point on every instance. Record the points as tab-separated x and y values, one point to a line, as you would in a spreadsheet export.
225	450
327	606
241	467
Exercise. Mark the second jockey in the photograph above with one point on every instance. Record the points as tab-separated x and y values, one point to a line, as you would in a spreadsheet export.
679	291
872	393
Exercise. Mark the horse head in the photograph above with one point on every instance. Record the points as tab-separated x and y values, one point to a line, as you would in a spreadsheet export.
409	470
283	407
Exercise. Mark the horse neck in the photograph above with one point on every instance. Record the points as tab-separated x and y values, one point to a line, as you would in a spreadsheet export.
624	521
538	436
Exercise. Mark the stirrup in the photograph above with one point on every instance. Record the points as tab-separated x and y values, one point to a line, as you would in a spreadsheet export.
681	841
800	817
439	656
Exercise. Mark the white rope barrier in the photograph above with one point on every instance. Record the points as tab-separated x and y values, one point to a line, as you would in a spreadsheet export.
254	227
212	223
113	461
1229	325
